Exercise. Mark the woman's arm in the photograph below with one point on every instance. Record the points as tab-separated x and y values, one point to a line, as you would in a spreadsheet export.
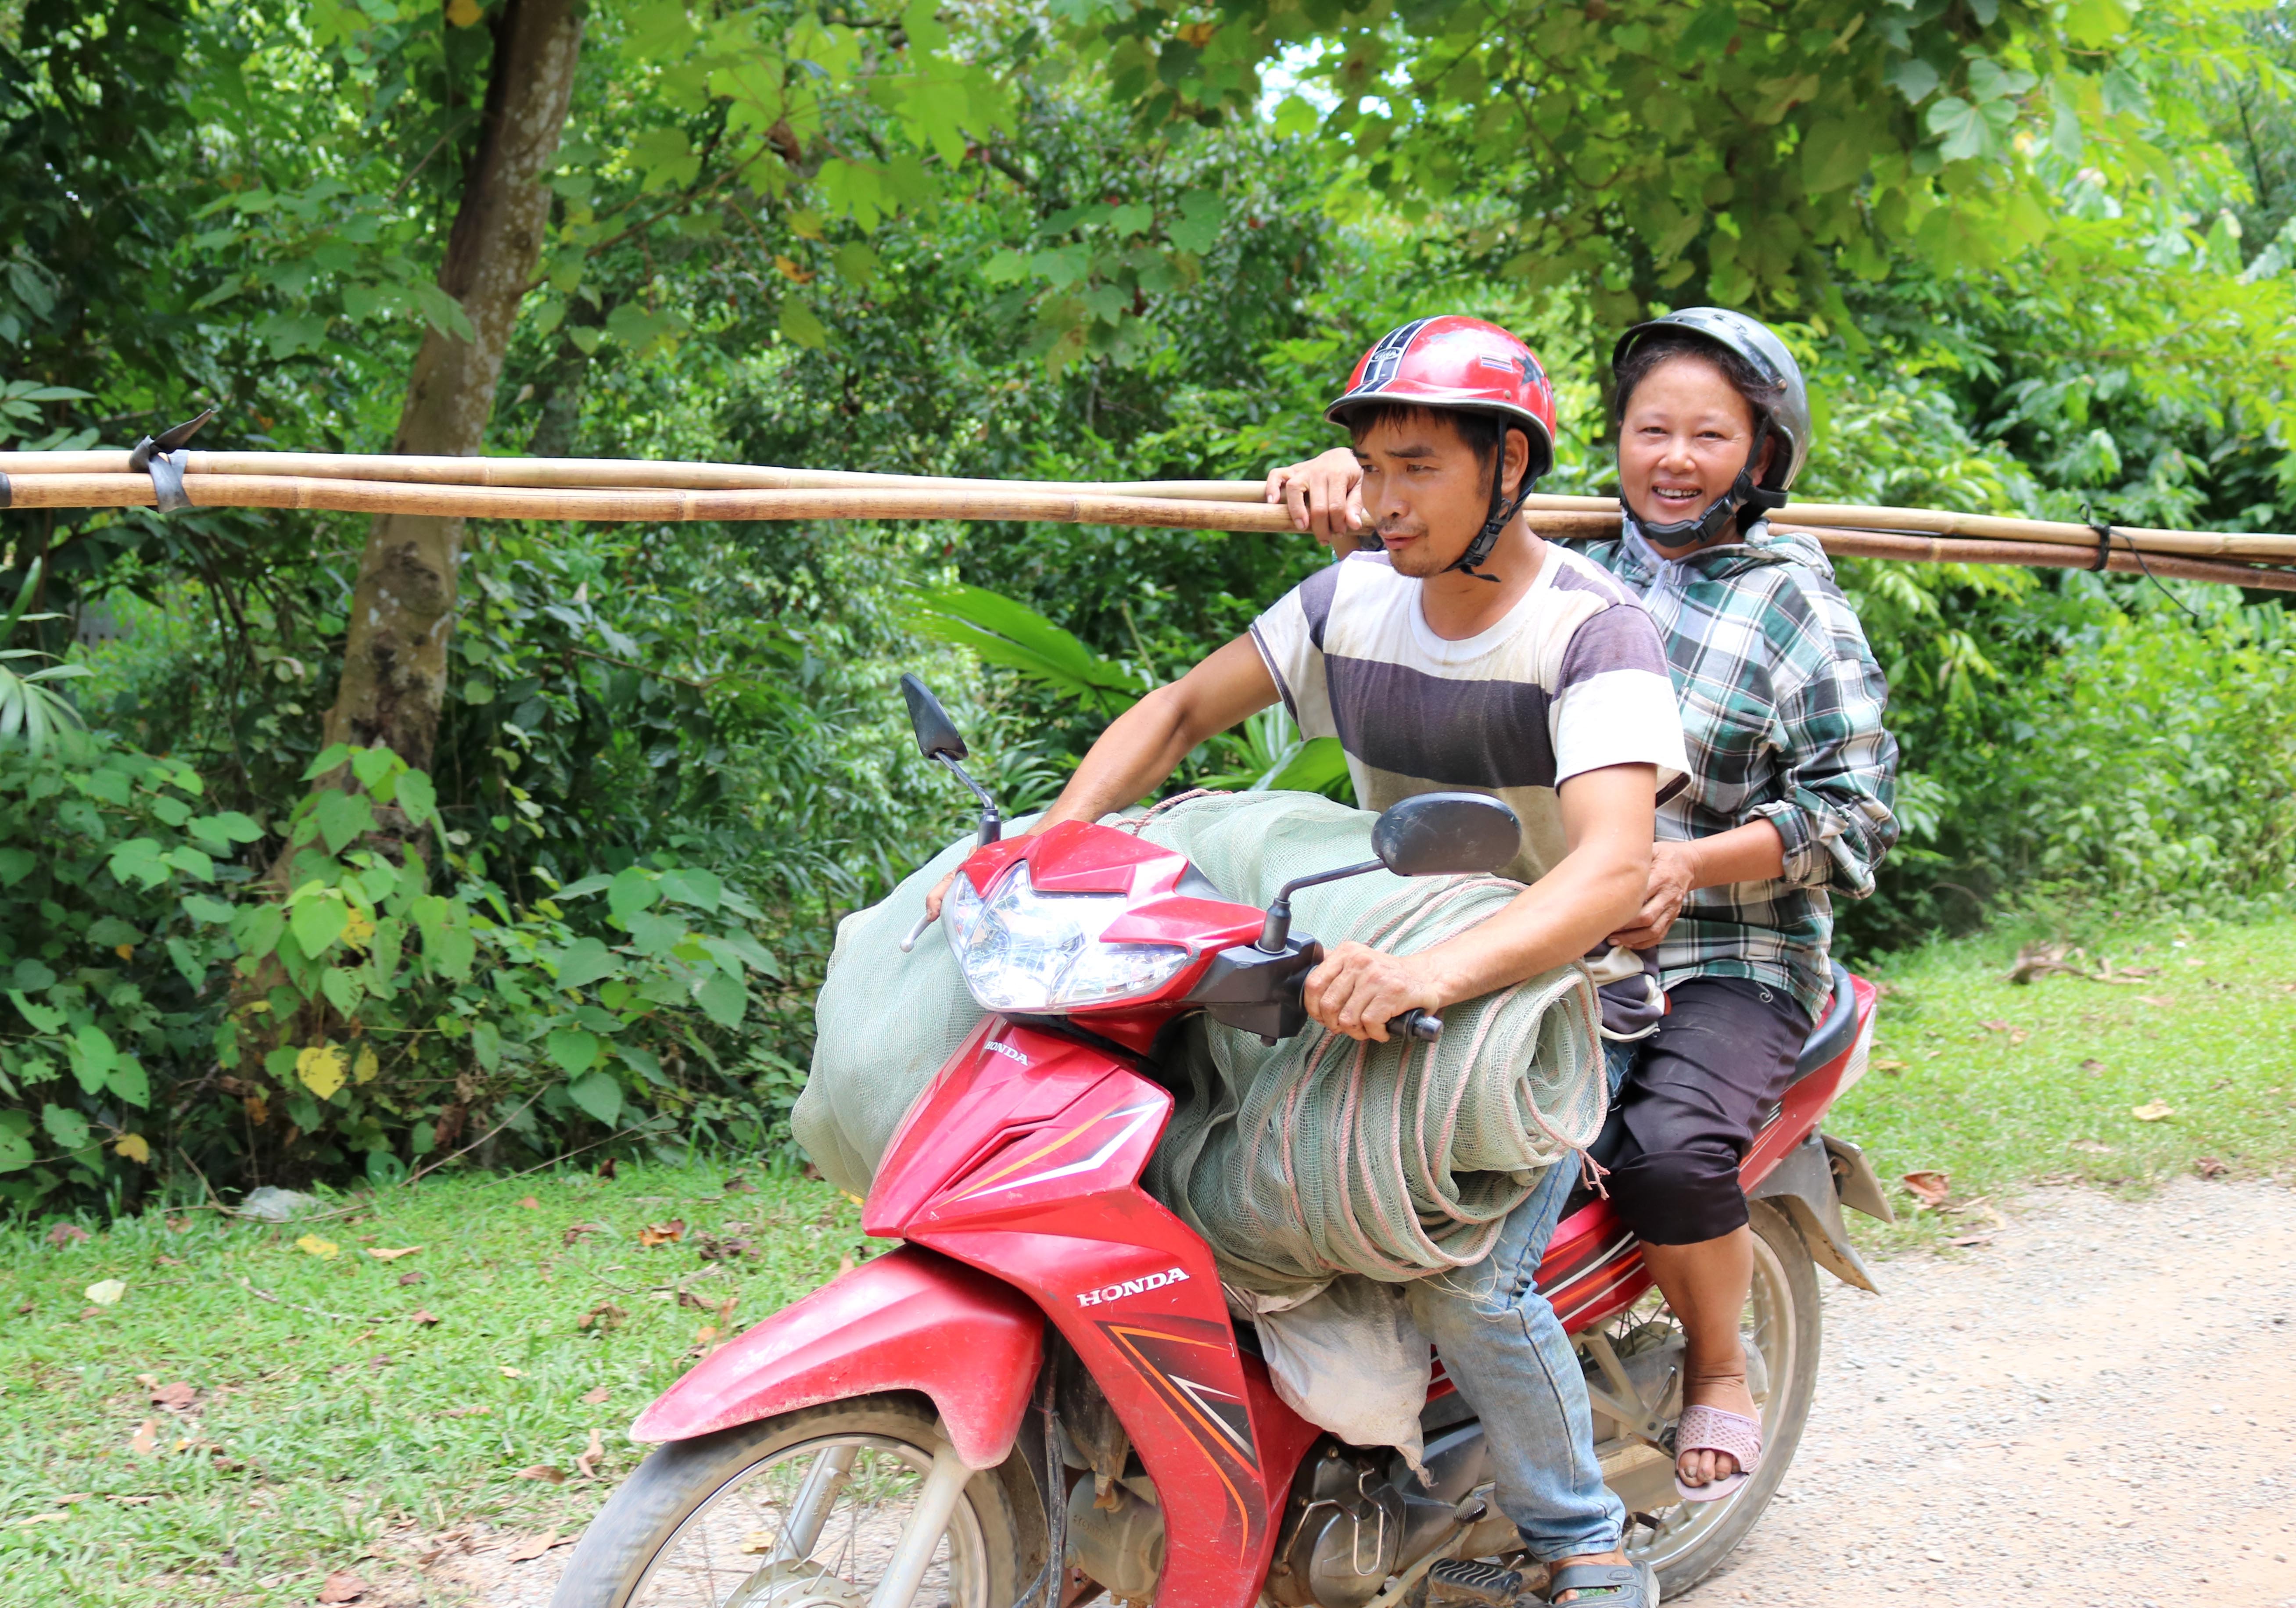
1752	853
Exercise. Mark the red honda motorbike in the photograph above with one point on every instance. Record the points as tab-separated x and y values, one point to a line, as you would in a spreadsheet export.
1040	1394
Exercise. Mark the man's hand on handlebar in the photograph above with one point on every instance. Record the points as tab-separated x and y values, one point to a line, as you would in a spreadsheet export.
1358	990
1325	496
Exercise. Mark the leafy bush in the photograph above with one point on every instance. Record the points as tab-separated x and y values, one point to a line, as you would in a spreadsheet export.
184	989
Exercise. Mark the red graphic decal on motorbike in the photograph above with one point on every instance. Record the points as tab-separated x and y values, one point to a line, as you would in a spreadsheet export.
1108	1132
1172	1355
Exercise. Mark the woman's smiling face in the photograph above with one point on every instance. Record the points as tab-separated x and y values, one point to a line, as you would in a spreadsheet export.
1682	441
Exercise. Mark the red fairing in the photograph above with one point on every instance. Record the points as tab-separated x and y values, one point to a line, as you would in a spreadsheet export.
1024	1160
910	1320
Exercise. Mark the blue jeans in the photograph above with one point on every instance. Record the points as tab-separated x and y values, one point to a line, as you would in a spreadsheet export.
1503	1345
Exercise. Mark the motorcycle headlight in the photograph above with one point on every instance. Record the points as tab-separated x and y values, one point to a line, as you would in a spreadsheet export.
1021	950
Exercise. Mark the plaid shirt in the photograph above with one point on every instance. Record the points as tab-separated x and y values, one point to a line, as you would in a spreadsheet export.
1782	704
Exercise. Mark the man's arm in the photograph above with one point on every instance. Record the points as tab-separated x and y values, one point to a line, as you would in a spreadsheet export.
1324	495
1596	888
1145	745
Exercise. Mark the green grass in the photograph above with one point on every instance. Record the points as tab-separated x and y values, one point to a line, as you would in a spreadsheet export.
317	1443
312	1439
2004	1085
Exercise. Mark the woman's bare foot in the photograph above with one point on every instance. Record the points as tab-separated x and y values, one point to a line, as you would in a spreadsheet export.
1723	1387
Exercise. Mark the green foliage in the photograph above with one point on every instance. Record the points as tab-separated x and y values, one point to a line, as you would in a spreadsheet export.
169	1006
1638	149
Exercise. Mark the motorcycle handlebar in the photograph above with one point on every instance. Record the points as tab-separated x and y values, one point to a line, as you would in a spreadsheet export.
1425	1026
1415	1023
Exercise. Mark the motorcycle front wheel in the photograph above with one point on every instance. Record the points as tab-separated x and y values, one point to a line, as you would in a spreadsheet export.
801	1511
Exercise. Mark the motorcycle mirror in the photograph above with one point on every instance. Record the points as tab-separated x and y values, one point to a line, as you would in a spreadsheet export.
1436	834
937	735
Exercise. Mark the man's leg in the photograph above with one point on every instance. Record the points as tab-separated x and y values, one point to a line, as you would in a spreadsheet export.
1503	1345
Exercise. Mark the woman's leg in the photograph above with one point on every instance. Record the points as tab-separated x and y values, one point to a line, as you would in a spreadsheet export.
1707	1284
1687	1114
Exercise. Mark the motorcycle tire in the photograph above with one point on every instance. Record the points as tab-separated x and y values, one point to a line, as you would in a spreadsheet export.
643	1520
1793	1388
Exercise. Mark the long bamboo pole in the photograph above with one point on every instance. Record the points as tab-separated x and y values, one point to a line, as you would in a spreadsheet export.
618	474
1935	550
598	474
1907	533
534	502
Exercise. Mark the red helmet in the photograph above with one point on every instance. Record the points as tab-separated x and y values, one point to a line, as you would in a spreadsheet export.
1460	363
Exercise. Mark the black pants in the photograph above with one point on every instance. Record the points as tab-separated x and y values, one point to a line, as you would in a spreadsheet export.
1681	1122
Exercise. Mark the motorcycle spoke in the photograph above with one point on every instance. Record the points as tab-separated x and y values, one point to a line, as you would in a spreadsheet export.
814	1528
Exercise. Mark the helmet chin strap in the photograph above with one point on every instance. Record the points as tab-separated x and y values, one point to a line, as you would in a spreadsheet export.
1501	514
1742	504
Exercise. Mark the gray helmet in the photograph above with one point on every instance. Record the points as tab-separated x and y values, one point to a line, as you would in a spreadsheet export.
1754	340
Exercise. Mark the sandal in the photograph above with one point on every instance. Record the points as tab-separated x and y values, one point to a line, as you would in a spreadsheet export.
1706	1429
1619	1585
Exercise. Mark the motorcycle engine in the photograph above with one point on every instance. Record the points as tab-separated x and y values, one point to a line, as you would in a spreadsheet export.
1356	1516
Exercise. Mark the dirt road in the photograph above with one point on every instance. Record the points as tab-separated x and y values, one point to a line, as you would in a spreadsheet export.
2091	1411
2094	1409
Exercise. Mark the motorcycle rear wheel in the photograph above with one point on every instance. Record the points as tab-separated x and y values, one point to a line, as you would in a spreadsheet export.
718	1522
1783	1323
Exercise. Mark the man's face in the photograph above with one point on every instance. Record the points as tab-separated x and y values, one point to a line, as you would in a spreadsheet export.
1423	490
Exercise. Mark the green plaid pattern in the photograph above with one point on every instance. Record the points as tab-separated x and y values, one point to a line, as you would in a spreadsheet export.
1782	705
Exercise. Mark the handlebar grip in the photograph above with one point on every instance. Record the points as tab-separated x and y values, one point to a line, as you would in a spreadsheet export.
1415	1023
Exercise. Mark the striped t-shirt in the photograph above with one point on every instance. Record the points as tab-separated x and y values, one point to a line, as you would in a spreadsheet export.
1573	679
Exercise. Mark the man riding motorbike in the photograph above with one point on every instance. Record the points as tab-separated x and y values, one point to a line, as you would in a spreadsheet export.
1466	654
1789	803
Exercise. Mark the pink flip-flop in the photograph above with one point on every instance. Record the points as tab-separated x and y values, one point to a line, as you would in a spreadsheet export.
1712	1429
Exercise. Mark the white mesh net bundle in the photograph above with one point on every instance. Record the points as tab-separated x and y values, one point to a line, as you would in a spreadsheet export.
1314	1157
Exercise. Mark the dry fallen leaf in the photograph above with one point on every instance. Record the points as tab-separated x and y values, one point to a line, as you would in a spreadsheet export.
1995	1026
595	1396
1930	1188
343	1586
2091	1146
311	1244
146	1439
531	1205
532	1547
739	1185
387	1253
1890	1068
510	1373
410	1278
2018	1035
175	1398
77	1496
587	1463
106	1291
468	1412
2092	1066
577	1232
541	1471
2153	1111
2162	1000
2209	1167
423	1315
66	1234
662	1234
1971	1239
605	1315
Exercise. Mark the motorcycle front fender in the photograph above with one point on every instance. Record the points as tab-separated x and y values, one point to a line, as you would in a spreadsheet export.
910	1320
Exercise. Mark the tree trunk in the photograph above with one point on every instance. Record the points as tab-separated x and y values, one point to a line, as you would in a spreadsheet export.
403	608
